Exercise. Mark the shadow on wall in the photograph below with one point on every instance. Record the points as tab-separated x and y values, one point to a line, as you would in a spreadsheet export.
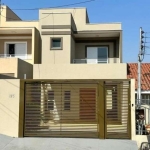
7	76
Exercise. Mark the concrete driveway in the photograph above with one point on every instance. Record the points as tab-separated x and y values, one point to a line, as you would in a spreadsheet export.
9	143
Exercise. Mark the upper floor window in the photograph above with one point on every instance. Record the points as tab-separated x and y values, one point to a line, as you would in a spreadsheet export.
56	43
97	54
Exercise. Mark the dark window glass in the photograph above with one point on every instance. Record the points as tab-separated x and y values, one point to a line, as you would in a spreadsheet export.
67	96
56	43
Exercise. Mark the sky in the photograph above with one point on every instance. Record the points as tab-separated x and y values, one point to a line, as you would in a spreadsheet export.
133	14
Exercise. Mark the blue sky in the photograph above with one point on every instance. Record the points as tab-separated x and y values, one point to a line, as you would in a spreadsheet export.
131	13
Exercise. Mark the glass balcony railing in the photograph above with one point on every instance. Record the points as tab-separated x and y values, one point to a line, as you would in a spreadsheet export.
21	56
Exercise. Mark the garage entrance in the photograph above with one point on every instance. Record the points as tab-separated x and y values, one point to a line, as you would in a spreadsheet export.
87	110
63	110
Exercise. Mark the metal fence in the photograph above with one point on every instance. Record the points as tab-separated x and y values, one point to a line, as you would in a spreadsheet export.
143	118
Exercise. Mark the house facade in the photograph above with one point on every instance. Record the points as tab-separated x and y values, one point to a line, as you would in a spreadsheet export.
65	77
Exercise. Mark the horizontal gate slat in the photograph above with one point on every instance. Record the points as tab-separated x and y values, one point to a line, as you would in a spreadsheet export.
45	113
117	110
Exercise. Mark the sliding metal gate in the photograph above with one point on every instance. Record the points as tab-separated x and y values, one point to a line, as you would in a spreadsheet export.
117	112
63	110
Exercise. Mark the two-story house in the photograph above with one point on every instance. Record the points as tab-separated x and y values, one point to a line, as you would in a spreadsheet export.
69	79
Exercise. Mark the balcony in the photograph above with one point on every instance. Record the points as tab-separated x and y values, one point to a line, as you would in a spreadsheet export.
90	61
21	56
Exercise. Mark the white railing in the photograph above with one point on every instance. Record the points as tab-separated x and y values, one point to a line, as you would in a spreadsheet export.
90	61
21	56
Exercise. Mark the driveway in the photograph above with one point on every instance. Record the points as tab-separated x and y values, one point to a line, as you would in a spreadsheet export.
9	143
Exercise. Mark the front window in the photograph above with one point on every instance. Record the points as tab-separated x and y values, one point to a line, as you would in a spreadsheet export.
98	54
102	54
16	49
56	43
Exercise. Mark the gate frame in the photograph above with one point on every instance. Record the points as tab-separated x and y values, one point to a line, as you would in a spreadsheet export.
101	102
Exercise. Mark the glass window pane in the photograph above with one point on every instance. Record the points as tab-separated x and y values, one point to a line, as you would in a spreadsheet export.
102	52
56	42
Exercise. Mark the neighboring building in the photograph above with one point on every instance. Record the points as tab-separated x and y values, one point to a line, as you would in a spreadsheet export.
145	89
18	39
69	77
145	78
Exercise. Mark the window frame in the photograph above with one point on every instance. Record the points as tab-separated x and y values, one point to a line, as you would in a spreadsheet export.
15	42
56	48
98	46
67	100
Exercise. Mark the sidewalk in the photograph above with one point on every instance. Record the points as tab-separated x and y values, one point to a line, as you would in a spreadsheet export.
8	143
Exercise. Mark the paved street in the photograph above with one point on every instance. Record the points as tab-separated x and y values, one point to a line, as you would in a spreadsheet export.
8	143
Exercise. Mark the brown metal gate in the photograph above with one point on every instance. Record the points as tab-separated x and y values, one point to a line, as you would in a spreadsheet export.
61	110
117	110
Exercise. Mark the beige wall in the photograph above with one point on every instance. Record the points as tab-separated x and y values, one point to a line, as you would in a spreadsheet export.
80	71
9	107
10	15
9	65
80	17
120	48
56	56
50	18
17	67
14	21
29	44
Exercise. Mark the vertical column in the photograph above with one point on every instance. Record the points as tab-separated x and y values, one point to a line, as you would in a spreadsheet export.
101	110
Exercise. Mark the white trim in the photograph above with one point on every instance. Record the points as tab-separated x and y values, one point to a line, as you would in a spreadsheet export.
143	92
16	37
13	42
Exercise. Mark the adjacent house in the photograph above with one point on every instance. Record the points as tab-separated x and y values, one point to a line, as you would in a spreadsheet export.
145	78
62	76
145	89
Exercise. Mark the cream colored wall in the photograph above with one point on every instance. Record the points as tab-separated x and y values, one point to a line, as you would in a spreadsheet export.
16	66
29	44
56	56
80	49
120	48
10	15
9	65
80	15
9	107
50	18
80	71
14	23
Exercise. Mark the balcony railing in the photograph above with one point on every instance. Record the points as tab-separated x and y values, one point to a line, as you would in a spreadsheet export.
21	56
90	61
